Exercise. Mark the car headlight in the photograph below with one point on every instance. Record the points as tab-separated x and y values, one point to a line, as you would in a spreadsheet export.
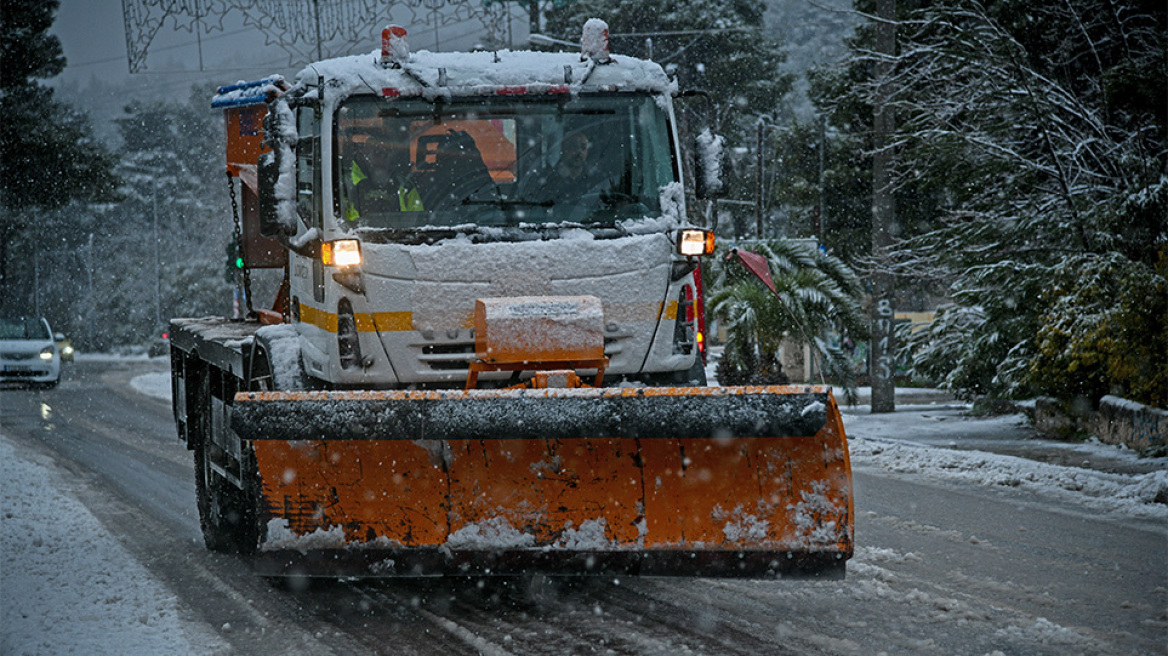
47	353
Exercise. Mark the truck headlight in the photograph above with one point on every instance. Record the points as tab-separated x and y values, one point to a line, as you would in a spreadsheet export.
341	253
47	353
693	242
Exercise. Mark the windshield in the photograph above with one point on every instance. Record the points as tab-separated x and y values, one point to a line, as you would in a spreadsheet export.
498	162
24	328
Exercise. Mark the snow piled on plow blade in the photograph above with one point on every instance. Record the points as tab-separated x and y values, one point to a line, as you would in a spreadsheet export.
748	481
642	412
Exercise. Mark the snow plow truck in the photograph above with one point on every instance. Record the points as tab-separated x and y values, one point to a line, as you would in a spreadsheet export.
486	354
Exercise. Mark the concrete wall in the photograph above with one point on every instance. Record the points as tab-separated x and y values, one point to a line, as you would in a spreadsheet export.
795	356
1117	421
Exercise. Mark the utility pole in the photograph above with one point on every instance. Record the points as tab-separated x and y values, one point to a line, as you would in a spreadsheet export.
89	302
758	205
36	277
821	218
157	267
199	34
316	19
533	17
882	365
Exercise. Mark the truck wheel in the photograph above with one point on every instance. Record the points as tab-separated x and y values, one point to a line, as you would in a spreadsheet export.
226	516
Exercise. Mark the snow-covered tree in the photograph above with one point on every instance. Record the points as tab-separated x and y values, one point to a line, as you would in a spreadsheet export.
47	155
1044	124
836	191
173	219
112	275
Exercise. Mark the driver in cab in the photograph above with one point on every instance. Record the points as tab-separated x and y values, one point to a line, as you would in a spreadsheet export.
574	174
380	179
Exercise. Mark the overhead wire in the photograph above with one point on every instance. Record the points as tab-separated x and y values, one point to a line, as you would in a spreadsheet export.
476	26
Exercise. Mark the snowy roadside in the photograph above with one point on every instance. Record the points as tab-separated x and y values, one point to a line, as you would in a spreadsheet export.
879	442
67	586
884	441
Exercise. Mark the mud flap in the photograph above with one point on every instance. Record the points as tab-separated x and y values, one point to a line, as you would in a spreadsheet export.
748	481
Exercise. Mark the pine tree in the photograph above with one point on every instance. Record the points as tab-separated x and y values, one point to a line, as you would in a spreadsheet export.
47	156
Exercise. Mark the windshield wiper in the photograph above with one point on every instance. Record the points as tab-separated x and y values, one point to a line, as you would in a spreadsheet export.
518	202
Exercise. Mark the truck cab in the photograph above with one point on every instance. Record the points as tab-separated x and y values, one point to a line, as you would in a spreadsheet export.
408	185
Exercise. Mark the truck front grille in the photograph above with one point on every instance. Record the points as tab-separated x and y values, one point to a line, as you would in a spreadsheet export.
456	356
451	356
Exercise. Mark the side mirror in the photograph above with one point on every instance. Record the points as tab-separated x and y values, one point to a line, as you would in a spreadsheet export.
58	337
269	174
711	166
276	173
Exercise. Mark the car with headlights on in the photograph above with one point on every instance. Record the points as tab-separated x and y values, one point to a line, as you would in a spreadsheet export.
29	352
65	346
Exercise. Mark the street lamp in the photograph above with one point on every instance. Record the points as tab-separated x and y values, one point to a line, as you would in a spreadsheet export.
545	41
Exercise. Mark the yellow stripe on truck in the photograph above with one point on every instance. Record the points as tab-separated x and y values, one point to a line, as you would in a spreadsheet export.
366	323
395	321
402	321
326	321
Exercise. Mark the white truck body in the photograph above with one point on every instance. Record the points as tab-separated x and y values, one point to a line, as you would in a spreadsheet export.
421	271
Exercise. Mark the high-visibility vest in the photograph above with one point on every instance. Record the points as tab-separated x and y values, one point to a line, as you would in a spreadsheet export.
409	200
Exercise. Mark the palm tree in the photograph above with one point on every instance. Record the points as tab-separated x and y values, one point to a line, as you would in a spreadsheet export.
814	293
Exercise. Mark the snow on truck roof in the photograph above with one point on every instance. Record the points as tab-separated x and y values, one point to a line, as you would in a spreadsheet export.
432	75
451	74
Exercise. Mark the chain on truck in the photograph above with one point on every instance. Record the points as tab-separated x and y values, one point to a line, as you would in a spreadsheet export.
486	353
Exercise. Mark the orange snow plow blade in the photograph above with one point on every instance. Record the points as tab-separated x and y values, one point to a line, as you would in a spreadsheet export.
693	481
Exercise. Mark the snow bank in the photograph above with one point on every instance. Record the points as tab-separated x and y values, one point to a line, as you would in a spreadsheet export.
68	586
155	385
1140	495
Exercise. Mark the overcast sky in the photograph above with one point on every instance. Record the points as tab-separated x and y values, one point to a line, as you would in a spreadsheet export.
93	35
93	38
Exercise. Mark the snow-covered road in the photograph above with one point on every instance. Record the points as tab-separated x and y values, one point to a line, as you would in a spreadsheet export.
68	586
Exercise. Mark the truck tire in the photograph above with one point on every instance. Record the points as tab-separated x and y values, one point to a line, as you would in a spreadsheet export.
227	514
